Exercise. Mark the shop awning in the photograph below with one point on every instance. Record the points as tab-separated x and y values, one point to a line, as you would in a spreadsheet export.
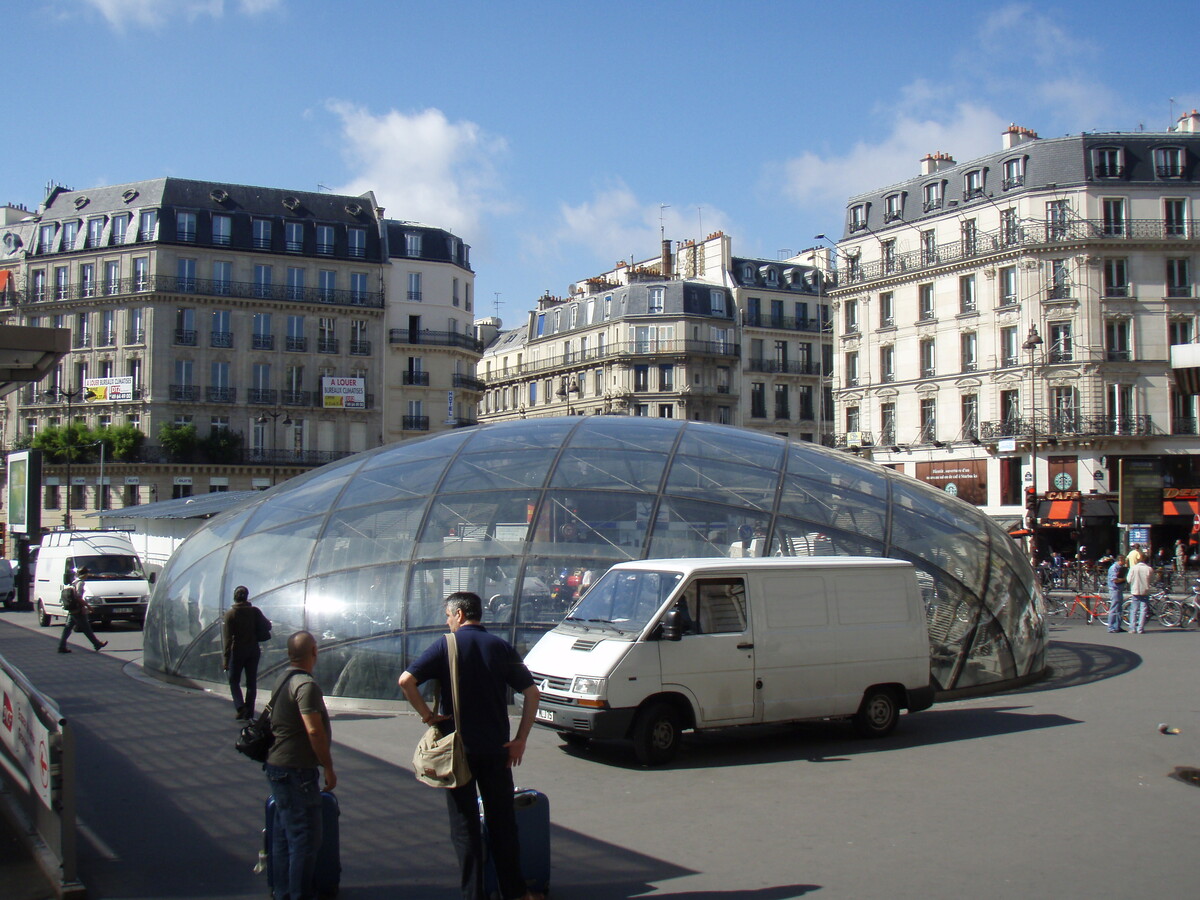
1058	513
1096	508
1181	507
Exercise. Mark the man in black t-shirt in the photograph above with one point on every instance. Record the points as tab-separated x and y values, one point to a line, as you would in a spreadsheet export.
488	666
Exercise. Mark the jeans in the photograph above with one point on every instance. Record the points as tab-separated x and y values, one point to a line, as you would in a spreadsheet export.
1137	613
296	836
493	781
1115	599
78	621
247	663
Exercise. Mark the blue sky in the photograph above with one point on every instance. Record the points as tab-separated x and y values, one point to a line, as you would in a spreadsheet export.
551	135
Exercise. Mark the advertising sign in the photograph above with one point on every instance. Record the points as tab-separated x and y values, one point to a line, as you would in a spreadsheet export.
99	390
963	478
1141	492
24	491
25	737
343	393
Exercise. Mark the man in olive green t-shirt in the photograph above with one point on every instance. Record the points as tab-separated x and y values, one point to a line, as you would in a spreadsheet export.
300	723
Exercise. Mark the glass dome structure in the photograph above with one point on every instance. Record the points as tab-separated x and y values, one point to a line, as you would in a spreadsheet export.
362	552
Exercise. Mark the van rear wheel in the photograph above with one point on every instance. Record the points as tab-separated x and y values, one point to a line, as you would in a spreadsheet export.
656	734
878	714
43	619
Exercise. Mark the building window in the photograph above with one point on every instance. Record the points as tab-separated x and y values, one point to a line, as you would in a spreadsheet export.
326	284
185	227
222	230
655	299
62	283
887	363
1014	173
325	239
970	416
1062	343
1063	410
261	337
968	350
1121	410
87	279
1058	279
641	378
851	363
95	232
1010	229
1168	162
928	420
120	227
112	277
222	276
853	419
293	237
1010	409
1109	163
893	207
782	403
185	326
1116	340
716	303
887	252
1175	220
1008	285
1057	220
973	184
148	225
850	314
666	410
295	340
887	316
357	242
412	244
1113	211
966	294
858	217
666	378
969	233
185	272
925	302
414	286
1179	331
1179	280
758	400
887	424
262	281
295	283
1009	347
933	196
221	334
261	234
1116	278
928	364
929	254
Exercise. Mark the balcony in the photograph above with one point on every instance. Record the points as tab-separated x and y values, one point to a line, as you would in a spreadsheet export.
416	379
466	383
262	342
135	336
782	367
434	338
327	345
1118	355
295	398
360	348
1113	171
185	337
415	423
220	394
1176	291
1058	292
1183	425
261	396
786	323
81	341
1067	425
295	344
1012	181
184	392
221	339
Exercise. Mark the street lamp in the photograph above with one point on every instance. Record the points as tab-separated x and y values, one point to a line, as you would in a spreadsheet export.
100	504
67	395
262	420
1032	342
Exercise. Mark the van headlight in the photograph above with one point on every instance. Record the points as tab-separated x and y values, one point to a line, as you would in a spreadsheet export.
591	687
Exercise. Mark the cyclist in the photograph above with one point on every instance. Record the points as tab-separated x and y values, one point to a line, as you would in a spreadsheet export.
1116	591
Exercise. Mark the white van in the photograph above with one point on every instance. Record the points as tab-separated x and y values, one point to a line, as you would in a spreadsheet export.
8	582
659	646
116	584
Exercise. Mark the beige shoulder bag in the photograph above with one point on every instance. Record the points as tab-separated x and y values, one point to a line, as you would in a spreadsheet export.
440	759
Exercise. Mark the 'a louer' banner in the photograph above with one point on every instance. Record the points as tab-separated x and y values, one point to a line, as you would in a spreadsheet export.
96	390
344	393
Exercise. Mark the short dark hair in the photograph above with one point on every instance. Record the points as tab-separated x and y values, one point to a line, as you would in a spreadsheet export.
300	645
83	570
241	594
468	602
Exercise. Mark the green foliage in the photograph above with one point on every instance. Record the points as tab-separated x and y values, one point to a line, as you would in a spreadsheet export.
179	442
122	443
222	446
63	443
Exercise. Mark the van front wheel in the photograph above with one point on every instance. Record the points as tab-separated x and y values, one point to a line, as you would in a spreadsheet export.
878	714
656	734
43	619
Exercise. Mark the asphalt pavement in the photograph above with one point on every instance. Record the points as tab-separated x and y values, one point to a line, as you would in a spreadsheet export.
1064	788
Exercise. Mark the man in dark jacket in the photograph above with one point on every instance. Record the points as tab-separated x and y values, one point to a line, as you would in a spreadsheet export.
242	626
78	618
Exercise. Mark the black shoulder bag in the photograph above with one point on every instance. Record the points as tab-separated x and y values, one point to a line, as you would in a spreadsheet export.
256	737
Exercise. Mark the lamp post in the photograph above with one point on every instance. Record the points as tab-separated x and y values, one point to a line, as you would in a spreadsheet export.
262	420
1032	342
100	504
67	395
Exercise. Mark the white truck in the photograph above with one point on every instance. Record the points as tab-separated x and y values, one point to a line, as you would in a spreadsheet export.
116	587
656	647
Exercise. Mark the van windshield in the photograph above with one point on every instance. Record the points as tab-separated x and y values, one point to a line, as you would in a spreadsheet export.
102	568
624	601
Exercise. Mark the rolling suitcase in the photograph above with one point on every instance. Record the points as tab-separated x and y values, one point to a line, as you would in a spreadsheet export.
533	831
327	876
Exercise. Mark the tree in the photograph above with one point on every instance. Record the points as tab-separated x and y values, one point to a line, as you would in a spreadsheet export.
222	446
179	442
122	442
64	443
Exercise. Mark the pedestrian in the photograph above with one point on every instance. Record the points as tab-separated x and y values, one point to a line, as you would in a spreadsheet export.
1135	555
1180	557
1139	593
300	724
74	601
243	627
1116	592
488	666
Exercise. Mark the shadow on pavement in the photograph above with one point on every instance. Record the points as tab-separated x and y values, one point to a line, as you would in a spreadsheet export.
1074	664
782	892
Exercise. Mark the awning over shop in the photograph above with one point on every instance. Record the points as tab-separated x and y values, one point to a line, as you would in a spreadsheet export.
1181	507
1057	513
1096	508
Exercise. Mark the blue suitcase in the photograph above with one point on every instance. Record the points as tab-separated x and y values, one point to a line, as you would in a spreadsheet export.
327	877
533	831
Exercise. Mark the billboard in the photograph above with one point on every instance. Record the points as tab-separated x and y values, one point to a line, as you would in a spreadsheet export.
962	478
24	491
343	393
100	390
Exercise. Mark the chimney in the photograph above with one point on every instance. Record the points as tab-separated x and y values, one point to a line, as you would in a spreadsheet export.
1017	135
935	162
667	266
1189	123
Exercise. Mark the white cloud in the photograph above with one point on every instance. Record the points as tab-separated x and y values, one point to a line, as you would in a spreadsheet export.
422	166
155	13
614	225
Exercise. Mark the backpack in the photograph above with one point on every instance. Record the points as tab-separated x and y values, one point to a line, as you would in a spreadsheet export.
262	626
69	598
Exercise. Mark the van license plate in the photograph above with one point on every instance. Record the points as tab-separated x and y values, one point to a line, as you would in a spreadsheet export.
122	609
544	715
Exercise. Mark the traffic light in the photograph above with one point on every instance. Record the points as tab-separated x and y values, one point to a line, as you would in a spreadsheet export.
1031	505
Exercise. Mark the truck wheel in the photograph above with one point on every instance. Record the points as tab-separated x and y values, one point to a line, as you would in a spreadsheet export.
571	739
43	619
656	734
878	714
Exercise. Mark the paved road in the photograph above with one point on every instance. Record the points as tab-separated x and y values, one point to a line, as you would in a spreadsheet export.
1062	789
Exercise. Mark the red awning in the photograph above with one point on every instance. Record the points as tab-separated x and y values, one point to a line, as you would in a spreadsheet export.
1058	513
5	275
1181	507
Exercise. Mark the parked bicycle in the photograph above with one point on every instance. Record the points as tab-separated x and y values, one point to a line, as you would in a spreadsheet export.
1182	613
1156	603
1094	606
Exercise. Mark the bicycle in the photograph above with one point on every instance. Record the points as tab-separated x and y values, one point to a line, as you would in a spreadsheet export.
1182	613
1093	605
1155	604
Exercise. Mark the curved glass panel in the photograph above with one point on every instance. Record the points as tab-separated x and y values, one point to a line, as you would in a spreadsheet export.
529	513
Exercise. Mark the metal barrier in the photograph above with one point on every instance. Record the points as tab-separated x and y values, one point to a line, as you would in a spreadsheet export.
37	778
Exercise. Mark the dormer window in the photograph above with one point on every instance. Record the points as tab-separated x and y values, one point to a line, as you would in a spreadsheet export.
770	276
893	206
748	274
973	184
1109	162
1014	173
858	217
1168	162
933	196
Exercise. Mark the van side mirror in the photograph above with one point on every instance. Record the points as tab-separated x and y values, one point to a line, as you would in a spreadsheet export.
673	625
153	577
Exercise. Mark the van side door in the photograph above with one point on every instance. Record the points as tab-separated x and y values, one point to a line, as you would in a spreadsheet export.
713	662
795	645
